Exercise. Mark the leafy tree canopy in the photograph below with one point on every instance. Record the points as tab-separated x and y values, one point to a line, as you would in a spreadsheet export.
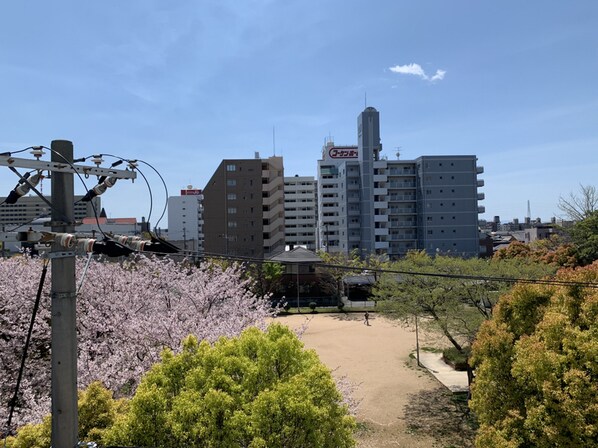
454	306
537	367
261	389
554	250
585	237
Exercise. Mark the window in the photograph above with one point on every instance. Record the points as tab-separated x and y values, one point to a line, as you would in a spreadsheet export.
232	224
231	182
231	196
231	167
430	232
232	210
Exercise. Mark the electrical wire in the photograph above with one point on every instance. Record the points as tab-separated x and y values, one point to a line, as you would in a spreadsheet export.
89	255
165	191
45	215
159	175
254	260
13	401
149	215
11	153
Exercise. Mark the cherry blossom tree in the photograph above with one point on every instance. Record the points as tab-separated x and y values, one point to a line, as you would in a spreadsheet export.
128	312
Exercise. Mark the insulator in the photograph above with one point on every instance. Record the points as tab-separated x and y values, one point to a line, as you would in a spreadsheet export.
66	240
37	151
86	244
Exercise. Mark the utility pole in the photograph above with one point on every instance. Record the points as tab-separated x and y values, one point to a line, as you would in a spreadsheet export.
65	422
63	291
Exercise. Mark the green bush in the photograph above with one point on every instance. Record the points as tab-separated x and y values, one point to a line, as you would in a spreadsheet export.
261	389
455	358
313	305
97	412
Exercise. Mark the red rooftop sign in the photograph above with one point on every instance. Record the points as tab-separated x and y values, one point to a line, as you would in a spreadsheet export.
342	153
193	192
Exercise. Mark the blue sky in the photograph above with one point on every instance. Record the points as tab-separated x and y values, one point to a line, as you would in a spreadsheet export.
184	84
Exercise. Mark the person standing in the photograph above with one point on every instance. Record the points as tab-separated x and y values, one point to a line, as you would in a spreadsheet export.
366	319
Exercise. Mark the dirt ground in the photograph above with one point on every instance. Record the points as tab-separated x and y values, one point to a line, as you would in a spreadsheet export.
401	405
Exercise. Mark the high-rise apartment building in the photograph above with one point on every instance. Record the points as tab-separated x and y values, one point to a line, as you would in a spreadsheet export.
300	211
185	219
374	205
244	208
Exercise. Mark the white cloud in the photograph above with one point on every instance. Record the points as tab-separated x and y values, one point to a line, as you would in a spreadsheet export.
439	76
417	70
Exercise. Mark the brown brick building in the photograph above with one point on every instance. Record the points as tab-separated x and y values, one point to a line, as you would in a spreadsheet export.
244	208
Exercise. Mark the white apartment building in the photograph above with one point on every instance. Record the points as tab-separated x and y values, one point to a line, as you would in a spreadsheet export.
300	211
185	219
374	205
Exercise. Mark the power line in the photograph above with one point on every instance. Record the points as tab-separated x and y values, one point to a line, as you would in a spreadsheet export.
13	401
360	269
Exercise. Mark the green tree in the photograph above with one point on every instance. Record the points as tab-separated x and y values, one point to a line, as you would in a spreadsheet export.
556	250
266	277
97	412
336	267
261	389
584	235
447	298
537	367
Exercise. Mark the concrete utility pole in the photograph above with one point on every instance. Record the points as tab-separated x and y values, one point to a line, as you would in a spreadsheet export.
65	422
63	292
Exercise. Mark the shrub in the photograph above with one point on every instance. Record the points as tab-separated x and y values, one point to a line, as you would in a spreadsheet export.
458	360
260	389
313	305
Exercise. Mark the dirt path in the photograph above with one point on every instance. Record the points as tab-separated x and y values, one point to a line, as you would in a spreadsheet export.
376	358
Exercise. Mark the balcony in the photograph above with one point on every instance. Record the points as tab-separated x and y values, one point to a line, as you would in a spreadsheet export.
381	245
402	236
481	209
480	183
481	196
329	171
402	185
402	197
479	169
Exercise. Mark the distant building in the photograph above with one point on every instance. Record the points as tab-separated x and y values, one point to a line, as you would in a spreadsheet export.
185	220
388	207
29	208
244	208
300	211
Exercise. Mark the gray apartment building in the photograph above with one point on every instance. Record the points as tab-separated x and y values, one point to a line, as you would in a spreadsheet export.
300	211
374	205
244	208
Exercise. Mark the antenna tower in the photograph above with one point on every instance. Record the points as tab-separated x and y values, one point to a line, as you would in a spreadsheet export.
529	210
